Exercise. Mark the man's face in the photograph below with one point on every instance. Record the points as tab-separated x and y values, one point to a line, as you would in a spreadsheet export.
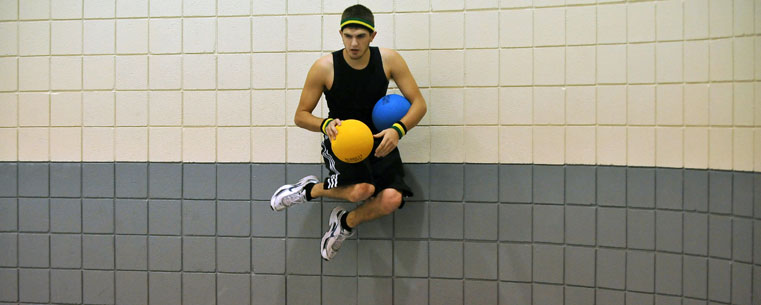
356	41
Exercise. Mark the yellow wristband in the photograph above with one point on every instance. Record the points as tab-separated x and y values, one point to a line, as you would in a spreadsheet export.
399	129
324	125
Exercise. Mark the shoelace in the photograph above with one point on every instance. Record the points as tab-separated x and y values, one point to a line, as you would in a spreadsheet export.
292	198
340	238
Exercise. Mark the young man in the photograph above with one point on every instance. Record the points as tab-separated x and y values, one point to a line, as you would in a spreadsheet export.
353	80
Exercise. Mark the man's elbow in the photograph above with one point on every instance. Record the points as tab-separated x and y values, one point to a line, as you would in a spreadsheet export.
423	108
298	120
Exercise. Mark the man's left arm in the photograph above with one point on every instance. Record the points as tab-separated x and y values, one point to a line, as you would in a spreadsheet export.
401	74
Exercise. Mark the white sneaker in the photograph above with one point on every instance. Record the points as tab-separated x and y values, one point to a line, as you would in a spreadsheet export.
290	194
336	234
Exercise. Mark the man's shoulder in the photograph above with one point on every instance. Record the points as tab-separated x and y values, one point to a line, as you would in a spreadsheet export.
391	58
325	61
323	65
388	53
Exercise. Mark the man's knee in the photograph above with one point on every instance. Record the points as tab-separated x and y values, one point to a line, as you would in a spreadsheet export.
390	201
361	192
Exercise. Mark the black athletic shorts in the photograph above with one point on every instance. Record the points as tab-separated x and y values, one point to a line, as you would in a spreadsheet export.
383	173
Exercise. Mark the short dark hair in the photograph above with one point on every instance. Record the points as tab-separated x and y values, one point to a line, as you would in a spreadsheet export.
358	16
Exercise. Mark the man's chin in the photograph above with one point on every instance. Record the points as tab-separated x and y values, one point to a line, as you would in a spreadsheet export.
355	54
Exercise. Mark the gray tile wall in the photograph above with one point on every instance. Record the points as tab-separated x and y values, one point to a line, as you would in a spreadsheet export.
171	233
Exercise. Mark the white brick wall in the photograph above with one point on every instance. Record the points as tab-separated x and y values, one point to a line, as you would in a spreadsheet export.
650	83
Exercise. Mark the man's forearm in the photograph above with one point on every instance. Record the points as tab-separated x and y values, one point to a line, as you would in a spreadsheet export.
307	121
415	114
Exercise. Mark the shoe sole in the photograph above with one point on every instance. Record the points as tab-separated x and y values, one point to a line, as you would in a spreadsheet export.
276	196
323	251
333	221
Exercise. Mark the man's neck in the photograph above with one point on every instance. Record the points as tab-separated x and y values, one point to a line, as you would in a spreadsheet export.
357	64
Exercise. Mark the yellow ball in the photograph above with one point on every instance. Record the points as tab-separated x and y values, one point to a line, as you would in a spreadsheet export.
354	141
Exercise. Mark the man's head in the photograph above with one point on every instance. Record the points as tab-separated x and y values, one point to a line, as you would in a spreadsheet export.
358	16
357	30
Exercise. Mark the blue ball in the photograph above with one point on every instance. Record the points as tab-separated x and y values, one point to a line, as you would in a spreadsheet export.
388	110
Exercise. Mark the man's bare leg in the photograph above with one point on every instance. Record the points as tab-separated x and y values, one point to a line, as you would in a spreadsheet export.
353	193
341	221
386	202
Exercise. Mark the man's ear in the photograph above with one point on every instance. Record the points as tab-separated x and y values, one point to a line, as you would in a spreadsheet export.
372	36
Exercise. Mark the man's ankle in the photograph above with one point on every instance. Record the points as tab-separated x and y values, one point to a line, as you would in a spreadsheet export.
344	223
308	190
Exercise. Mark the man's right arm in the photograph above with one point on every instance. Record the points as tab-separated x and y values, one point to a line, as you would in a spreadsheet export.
310	96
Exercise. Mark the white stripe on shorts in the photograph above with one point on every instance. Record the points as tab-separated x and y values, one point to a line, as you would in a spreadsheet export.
333	179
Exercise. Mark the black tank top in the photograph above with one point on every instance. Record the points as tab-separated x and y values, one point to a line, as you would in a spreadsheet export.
355	92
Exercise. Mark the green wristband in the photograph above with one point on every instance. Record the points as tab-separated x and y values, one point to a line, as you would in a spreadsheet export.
324	125
398	130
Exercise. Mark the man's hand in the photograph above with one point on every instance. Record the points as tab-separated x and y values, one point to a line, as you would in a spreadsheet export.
331	130
389	142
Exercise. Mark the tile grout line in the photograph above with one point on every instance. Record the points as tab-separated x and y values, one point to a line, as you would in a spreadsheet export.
113	228
81	232
147	235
